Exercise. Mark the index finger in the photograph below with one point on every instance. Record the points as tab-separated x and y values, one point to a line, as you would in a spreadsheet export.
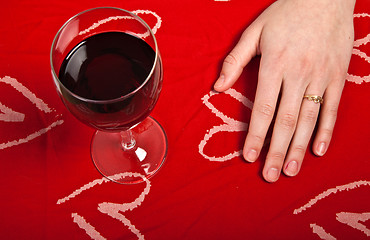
267	94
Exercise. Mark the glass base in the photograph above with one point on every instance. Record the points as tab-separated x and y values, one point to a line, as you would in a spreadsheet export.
143	159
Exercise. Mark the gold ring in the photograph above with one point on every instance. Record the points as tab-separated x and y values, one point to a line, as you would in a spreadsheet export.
314	98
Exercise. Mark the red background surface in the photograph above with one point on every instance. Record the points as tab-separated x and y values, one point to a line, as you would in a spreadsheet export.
191	197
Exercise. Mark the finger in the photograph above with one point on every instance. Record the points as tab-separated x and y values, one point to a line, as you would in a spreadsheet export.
284	128
306	123
238	58
327	119
267	93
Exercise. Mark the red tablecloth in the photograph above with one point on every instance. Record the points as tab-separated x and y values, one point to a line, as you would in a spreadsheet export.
50	188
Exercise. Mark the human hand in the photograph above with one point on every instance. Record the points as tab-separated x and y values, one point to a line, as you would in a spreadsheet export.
305	48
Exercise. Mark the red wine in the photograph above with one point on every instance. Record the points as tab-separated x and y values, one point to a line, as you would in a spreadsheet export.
102	71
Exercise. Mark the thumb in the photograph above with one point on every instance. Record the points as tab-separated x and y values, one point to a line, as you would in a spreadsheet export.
238	58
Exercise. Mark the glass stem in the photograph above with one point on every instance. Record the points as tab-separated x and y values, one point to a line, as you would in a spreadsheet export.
127	140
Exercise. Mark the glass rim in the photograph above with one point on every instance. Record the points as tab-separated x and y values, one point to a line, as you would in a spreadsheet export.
114	100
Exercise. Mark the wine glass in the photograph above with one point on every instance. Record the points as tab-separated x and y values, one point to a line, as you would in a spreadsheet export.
108	72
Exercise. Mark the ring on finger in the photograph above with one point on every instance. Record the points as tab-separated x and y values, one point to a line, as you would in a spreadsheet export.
314	98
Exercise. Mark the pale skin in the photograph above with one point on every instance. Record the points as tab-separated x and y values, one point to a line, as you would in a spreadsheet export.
305	48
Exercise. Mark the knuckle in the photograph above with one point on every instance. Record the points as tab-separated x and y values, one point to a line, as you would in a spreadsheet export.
232	58
287	121
327	132
339	74
310	116
276	156
265	110
300	149
257	139
306	64
332	111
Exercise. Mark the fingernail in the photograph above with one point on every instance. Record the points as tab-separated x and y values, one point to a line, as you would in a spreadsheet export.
272	175
292	169
220	81
321	149
251	155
